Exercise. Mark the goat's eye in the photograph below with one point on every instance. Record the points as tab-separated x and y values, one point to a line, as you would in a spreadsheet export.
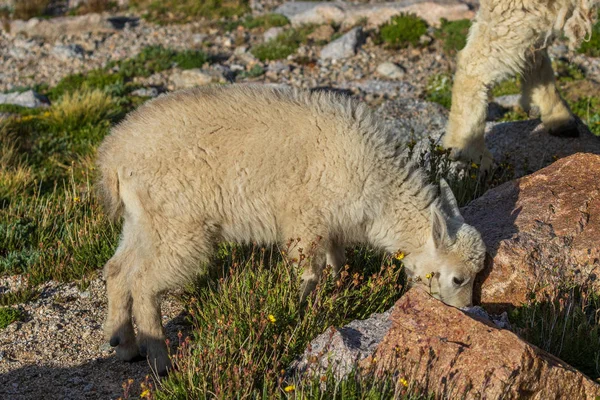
458	281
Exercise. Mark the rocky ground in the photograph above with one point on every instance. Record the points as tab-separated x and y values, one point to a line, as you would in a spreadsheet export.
58	350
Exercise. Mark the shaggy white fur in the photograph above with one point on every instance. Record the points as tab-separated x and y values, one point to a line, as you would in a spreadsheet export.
509	37
252	164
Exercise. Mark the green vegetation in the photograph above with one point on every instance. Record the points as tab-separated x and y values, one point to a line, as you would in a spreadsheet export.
116	76
255	71
262	21
588	109
565	322
9	315
592	47
283	45
453	34
403	30
181	11
507	87
439	90
249	325
26	9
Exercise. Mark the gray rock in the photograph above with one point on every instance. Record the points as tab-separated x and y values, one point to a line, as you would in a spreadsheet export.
146	92
382	88
278	67
341	348
344	46
67	52
390	70
501	321
272	33
413	119
510	101
28	99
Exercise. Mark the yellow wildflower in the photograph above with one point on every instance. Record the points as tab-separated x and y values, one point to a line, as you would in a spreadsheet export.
473	176
272	318
76	199
403	382
400	256
145	394
474	166
289	388
429	276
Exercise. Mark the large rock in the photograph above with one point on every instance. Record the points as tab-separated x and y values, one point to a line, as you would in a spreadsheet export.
310	12
29	99
57	27
344	46
443	350
528	147
539	230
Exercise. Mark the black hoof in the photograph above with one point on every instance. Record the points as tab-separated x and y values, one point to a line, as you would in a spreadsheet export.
114	341
568	130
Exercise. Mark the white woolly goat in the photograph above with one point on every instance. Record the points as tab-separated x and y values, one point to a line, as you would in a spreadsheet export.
244	164
509	37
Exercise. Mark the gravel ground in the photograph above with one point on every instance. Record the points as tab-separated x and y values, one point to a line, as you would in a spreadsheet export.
59	350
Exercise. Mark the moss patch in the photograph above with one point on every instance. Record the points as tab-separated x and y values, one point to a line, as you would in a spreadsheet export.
403	30
9	315
453	34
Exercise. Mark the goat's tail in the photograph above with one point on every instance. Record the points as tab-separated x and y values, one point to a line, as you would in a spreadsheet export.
108	188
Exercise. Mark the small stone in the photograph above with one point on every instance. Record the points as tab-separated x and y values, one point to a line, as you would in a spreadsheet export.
199	38
425	40
28	99
272	33
67	52
390	70
343	47
195	77
145	92
510	101
105	348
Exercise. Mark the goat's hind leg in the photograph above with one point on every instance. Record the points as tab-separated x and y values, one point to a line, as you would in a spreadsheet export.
539	89
118	326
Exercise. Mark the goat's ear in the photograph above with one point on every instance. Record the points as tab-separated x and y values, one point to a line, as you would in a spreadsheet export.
439	227
449	203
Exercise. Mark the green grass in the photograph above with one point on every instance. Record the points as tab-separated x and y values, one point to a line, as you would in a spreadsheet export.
264	22
453	34
507	87
439	90
564	321
592	47
9	315
588	109
116	77
254	72
283	45
402	31
182	11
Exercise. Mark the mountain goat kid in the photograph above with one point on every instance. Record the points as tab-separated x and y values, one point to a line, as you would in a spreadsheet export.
242	164
507	38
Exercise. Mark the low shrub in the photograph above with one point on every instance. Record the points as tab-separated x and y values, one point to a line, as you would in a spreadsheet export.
403	30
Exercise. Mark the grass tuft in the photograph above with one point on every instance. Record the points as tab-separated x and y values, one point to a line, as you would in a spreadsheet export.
9	315
181	11
261	21
439	90
283	45
403	30
453	34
